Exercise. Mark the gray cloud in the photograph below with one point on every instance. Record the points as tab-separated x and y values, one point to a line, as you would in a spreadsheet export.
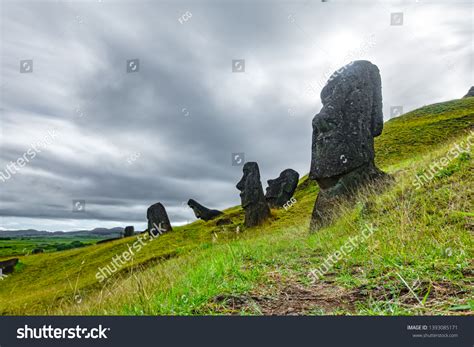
166	133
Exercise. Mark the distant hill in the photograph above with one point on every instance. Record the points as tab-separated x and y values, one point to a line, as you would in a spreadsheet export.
97	232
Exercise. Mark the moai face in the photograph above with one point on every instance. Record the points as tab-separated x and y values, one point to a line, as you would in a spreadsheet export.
253	201
194	205
281	189
351	116
250	185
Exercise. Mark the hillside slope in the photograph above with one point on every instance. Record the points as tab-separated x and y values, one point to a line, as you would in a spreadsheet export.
418	259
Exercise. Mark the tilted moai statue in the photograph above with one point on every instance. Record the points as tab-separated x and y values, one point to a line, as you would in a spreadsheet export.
280	190
203	212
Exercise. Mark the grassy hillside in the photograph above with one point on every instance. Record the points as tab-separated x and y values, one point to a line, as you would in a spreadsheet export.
417	261
14	247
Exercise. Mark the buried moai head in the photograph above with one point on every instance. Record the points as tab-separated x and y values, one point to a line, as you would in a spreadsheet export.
281	189
158	221
252	197
203	212
351	116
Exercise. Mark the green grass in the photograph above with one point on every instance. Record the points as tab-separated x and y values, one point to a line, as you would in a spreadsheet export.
417	132
25	245
422	238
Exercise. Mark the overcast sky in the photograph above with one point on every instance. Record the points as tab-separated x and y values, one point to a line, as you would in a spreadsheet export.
122	140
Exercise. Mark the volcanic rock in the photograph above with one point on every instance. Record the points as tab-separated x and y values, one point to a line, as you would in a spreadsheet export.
158	221
129	231
252	197
343	136
281	189
203	212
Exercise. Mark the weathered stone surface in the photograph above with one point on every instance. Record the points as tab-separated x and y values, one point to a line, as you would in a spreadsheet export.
8	266
252	197
203	212
281	189
129	231
470	93
158	221
343	136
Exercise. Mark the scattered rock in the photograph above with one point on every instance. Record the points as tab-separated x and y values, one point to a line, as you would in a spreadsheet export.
129	231
223	221
343	136
158	221
203	212
253	200
8	266
470	93
281	189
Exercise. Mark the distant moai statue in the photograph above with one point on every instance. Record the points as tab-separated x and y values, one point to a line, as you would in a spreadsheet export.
252	197
281	189
129	231
158	221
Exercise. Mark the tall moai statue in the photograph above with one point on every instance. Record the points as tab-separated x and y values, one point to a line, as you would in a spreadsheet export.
343	137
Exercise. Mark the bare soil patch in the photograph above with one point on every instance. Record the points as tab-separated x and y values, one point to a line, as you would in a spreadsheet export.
290	300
